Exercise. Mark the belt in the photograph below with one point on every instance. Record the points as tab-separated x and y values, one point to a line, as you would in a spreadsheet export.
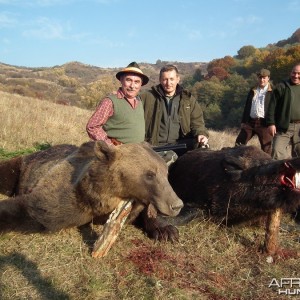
295	122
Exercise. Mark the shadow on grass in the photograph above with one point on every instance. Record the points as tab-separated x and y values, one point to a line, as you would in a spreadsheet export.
30	271
89	235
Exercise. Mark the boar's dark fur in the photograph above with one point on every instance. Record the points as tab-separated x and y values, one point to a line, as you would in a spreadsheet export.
234	185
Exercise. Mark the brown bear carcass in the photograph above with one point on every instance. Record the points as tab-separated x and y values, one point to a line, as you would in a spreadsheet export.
66	186
235	185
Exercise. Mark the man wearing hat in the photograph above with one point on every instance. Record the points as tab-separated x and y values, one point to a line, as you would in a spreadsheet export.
253	120
119	118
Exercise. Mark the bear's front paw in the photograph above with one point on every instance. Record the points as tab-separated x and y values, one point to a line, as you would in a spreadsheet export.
166	233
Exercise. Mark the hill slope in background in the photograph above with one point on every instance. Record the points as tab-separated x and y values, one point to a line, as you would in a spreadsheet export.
75	83
295	38
82	85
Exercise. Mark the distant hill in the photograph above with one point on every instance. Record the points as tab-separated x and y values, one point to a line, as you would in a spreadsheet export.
86	74
74	83
83	85
294	39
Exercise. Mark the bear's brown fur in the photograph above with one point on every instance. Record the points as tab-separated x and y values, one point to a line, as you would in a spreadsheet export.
66	186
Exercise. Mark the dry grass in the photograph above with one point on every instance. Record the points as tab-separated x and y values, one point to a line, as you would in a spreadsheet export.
209	262
27	121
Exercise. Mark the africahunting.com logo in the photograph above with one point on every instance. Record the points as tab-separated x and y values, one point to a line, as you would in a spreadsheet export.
286	286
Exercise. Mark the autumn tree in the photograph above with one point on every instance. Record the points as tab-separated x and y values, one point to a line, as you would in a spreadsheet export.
218	72
209	94
226	63
233	101
97	90
246	51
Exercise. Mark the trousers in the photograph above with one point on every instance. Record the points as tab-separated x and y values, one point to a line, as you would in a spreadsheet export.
252	128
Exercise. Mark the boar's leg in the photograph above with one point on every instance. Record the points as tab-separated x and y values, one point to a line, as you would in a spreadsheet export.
297	216
272	232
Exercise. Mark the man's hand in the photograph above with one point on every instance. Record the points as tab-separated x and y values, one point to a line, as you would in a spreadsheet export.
272	130
202	139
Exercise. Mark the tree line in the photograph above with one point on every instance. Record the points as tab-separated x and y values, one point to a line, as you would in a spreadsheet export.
222	89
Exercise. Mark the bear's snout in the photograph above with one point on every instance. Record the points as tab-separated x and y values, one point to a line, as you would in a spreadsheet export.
173	208
176	208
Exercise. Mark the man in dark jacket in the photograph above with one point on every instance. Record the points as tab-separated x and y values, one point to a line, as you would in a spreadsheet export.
283	116
253	120
172	114
283	119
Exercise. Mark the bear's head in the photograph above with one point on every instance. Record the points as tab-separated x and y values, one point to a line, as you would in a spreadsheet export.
133	171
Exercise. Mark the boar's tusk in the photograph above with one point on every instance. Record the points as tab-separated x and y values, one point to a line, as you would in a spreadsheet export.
288	178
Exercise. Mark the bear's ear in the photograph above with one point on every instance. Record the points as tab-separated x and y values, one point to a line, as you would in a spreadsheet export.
103	150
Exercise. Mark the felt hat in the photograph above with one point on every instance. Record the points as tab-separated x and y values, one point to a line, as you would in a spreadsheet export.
135	69
263	73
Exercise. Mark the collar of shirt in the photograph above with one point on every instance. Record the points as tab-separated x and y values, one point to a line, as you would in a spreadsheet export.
263	90
133	102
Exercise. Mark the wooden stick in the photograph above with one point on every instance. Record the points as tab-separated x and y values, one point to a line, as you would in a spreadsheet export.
112	228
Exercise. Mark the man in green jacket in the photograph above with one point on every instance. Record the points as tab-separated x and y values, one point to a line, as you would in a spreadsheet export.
172	114
283	116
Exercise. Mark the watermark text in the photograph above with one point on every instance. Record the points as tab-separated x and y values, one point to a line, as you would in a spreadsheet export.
286	286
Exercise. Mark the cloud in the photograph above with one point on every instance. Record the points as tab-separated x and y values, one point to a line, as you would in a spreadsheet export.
46	29
6	1
7	20
194	35
5	41
294	6
219	34
48	3
51	2
132	33
105	42
106	1
184	29
248	20
34	3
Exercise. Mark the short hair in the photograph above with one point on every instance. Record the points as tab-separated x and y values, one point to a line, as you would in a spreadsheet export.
296	65
168	68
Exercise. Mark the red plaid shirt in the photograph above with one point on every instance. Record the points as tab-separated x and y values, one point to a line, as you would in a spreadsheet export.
103	112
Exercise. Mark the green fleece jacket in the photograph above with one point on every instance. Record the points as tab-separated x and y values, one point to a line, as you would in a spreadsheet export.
189	112
279	110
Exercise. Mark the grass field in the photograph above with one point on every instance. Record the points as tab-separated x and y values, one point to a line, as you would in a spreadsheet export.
209	261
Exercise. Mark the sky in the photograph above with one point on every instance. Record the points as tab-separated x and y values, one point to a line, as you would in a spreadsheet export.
113	33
